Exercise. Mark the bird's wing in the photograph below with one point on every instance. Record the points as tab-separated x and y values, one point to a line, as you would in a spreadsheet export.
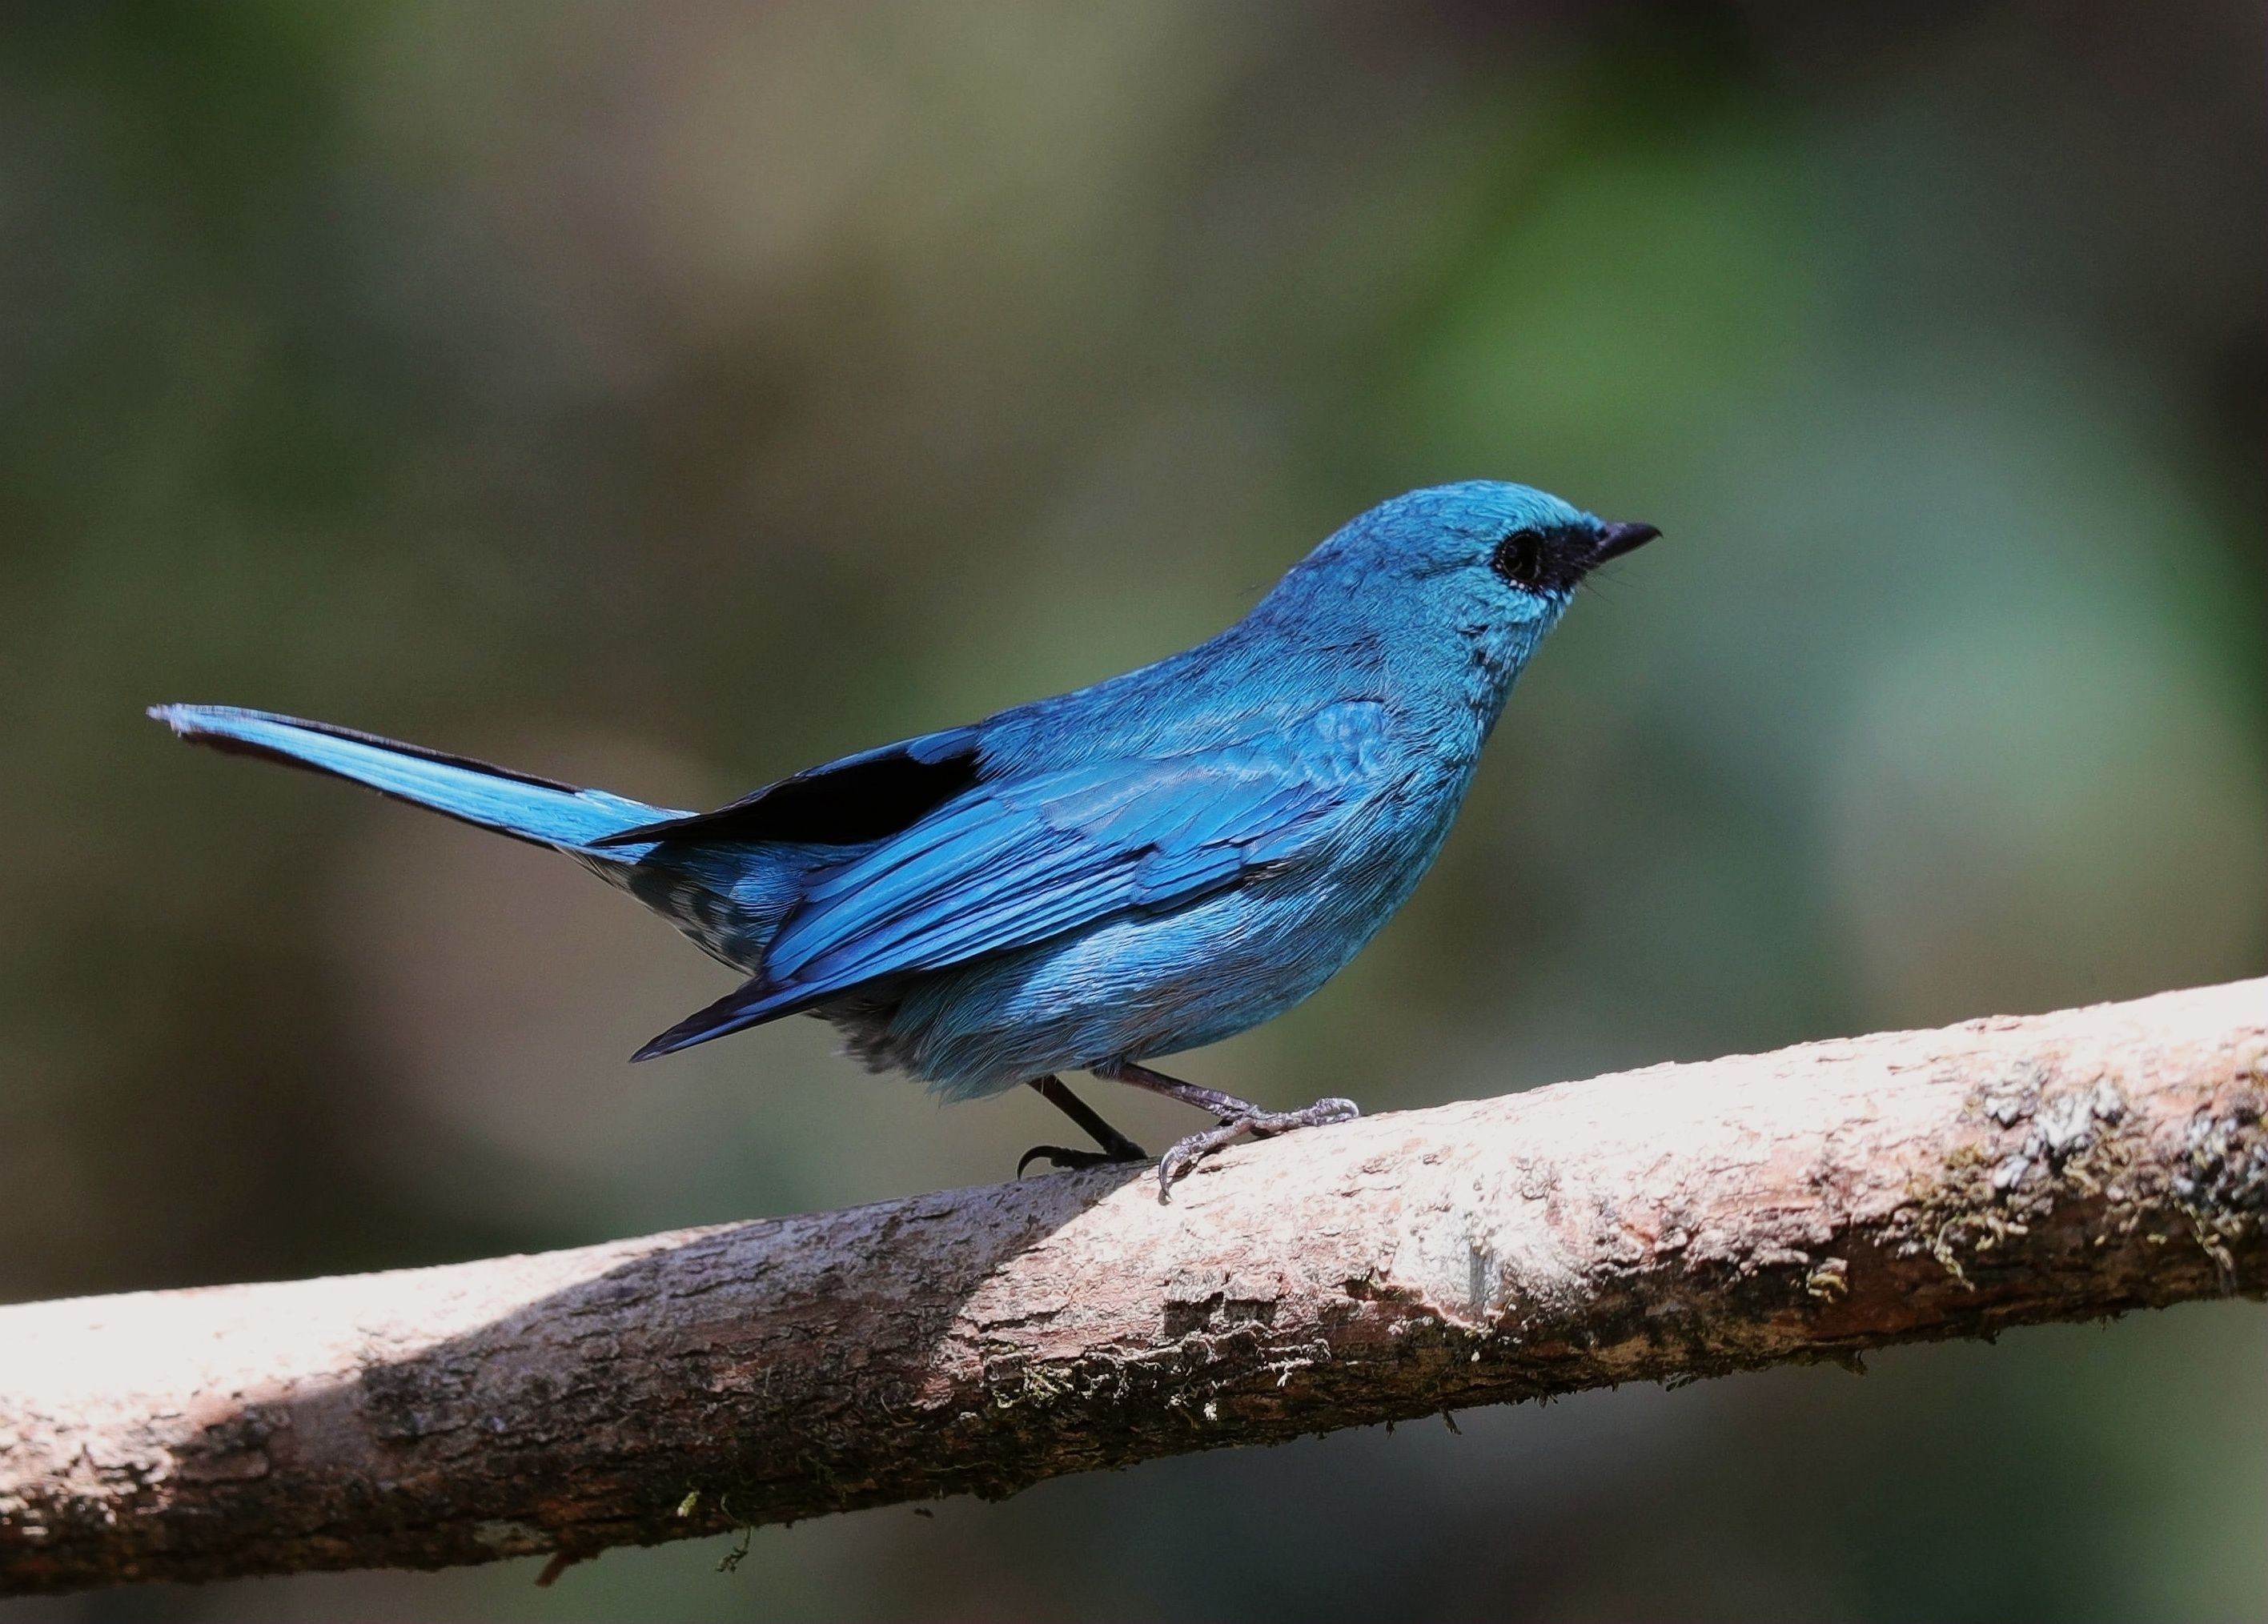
1014	863
863	797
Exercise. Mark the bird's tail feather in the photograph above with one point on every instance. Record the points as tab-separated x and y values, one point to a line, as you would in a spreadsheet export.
490	797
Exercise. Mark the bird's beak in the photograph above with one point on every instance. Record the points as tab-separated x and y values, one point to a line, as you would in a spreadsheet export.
1620	539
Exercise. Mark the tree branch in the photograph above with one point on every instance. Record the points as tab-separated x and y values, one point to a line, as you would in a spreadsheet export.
1673	1222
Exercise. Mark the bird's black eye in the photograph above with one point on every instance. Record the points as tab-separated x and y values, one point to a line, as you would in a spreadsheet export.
1519	559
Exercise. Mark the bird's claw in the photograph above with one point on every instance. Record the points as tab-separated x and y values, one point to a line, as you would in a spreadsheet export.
1186	1153
1064	1158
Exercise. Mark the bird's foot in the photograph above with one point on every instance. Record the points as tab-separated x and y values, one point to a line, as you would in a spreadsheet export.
1116	1147
1061	1158
1186	1153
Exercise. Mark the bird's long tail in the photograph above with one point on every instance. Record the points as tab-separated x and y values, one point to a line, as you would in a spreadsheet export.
490	797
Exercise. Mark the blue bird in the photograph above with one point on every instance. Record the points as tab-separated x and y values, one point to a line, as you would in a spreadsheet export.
1097	880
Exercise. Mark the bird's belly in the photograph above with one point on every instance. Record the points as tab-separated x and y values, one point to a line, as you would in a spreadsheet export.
1138	988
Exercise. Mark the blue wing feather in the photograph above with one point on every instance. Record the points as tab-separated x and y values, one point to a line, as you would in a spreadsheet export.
1011	864
1162	877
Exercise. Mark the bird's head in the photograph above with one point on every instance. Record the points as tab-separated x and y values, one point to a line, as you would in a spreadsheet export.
1496	564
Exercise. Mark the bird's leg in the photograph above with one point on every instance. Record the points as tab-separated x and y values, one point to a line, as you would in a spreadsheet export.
1116	1147
1236	1117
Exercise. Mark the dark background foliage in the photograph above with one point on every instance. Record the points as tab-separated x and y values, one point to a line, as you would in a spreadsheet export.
672	396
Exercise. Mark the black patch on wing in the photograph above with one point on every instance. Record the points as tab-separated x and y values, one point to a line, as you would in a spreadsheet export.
867	799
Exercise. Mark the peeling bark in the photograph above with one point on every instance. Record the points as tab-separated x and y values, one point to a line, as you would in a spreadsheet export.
1669	1224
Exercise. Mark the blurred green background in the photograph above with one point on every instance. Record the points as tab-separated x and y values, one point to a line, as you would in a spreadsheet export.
670	397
